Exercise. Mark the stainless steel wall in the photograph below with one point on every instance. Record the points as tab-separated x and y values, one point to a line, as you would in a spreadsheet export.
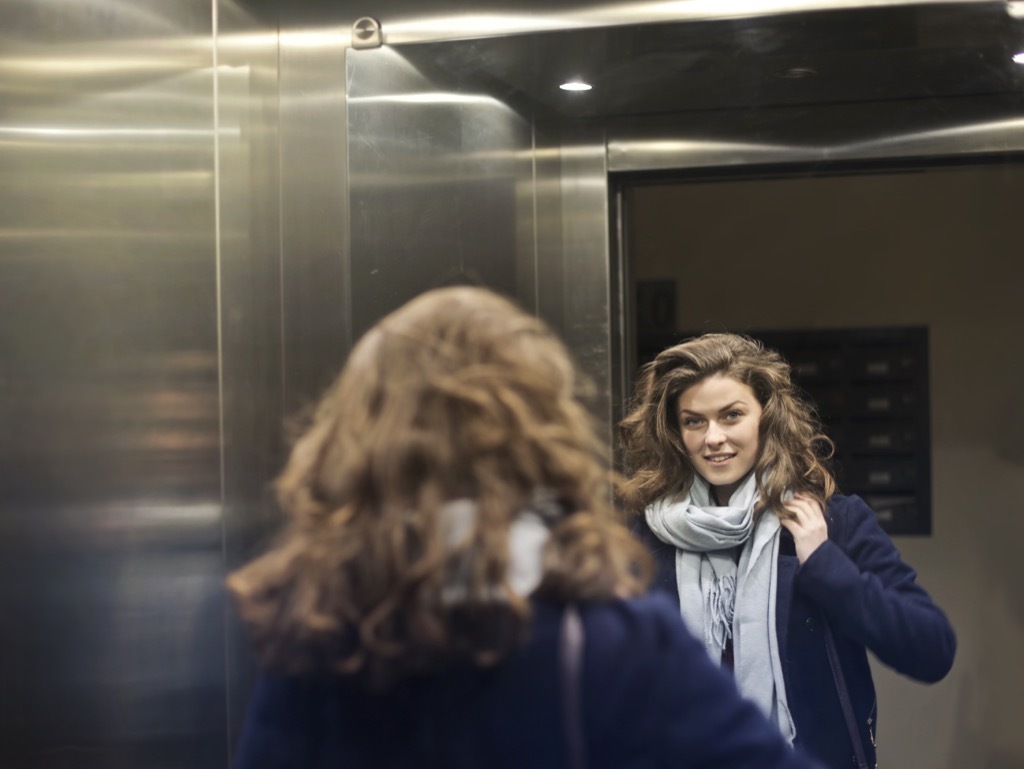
451	185
140	377
111	546
173	272
254	331
440	187
574	278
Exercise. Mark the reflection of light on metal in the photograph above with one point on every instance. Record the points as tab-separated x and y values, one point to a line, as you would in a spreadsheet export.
111	133
1001	135
122	181
453	27
570	152
1015	8
419	29
69	66
650	154
683	146
252	40
575	85
127	516
797	73
143	234
427	97
315	38
1019	57
172	440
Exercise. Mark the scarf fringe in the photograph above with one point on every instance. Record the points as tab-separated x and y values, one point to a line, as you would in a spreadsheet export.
719	609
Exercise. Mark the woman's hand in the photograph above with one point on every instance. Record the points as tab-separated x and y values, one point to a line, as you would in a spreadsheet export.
807	525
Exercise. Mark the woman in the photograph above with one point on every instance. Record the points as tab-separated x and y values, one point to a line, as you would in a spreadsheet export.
768	564
448	508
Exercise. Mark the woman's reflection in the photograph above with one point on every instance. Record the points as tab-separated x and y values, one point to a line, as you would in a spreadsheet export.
787	582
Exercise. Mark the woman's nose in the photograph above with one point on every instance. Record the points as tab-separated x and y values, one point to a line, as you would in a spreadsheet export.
714	435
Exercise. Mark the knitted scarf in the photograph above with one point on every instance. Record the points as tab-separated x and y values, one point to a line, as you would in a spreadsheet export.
720	598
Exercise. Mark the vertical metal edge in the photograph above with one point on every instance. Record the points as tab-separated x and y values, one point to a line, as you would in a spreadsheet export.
250	312
218	278
346	213
622	352
575	291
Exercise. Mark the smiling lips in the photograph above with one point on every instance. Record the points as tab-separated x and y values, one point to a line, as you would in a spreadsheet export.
718	459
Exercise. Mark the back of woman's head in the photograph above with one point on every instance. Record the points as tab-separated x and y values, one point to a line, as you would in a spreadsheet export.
792	450
454	394
458	395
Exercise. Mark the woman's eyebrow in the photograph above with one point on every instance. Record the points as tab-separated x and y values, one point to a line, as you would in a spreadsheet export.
720	410
731	405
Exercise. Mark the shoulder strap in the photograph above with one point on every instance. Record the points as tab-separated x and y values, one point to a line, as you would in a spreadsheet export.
570	661
844	695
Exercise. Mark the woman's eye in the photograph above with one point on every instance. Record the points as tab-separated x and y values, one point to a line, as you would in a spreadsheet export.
690	422
732	416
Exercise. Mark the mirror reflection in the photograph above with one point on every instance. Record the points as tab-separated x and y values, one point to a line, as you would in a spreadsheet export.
839	173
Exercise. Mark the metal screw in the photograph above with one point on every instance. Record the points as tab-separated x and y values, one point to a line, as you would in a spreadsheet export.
366	33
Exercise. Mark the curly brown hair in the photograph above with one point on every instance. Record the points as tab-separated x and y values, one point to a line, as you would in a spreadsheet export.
456	395
793	452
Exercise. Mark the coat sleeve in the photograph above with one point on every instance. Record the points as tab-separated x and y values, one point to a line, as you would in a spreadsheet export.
871	596
680	708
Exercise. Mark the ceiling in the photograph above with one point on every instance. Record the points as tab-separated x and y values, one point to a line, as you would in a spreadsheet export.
945	50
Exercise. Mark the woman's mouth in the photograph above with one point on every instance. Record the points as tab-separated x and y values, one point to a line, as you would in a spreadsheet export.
718	459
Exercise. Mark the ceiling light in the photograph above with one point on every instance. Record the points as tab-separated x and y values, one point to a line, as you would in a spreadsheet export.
575	85
798	73
1019	57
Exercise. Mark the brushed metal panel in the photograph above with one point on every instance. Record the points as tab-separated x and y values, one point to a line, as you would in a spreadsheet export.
440	187
315	288
110	538
573	249
413	21
820	134
451	21
251	318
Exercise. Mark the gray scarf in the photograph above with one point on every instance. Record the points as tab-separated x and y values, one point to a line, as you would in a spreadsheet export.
719	598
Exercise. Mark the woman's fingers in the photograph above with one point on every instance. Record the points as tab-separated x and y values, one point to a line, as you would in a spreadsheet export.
800	508
806	515
807	525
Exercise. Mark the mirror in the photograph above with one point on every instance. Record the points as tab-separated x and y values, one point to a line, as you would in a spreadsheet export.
838	169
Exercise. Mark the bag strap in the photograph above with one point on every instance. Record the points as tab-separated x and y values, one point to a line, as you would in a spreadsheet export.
570	661
844	695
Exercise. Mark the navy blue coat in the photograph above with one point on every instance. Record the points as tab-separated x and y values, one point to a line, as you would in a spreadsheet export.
651	698
857	581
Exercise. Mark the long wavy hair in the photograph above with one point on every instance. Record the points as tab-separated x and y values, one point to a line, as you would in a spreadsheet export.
793	452
458	395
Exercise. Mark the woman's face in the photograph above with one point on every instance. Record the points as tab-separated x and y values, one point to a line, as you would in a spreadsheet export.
719	420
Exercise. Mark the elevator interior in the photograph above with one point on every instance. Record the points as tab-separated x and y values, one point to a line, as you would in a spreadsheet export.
203	203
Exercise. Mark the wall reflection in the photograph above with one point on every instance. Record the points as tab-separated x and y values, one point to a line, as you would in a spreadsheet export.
112	517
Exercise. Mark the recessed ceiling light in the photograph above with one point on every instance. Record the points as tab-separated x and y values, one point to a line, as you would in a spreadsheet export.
797	73
575	85
1019	57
